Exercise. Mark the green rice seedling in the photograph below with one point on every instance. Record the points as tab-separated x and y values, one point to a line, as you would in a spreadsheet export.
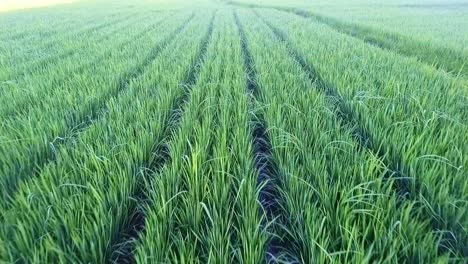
417	121
32	53
34	24
448	57
205	132
29	141
337	207
444	57
441	24
40	87
19	27
91	188
202	205
39	58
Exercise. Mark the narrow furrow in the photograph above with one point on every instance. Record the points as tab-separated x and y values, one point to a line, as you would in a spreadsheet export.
268	180
161	156
453	239
31	170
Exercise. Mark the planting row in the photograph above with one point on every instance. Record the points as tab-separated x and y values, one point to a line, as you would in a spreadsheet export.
229	136
415	123
79	207
32	25
32	139
449	58
335	203
202	205
35	87
36	56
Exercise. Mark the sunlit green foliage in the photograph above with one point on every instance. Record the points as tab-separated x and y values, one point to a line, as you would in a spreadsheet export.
224	133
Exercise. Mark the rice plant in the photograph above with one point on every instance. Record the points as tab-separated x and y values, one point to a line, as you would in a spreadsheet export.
243	131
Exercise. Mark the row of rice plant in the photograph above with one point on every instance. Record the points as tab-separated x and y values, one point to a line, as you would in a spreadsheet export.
49	24
37	56
19	27
336	204
449	57
446	58
44	44
223	135
415	118
35	88
202	205
32	139
79	207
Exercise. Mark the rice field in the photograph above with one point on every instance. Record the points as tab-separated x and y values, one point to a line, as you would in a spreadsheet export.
233	132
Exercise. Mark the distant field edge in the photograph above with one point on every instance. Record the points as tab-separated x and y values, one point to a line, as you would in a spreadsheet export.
442	58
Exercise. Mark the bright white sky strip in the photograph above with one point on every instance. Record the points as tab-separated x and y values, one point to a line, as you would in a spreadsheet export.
6	5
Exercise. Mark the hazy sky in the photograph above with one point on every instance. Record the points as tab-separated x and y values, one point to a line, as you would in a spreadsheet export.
19	4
